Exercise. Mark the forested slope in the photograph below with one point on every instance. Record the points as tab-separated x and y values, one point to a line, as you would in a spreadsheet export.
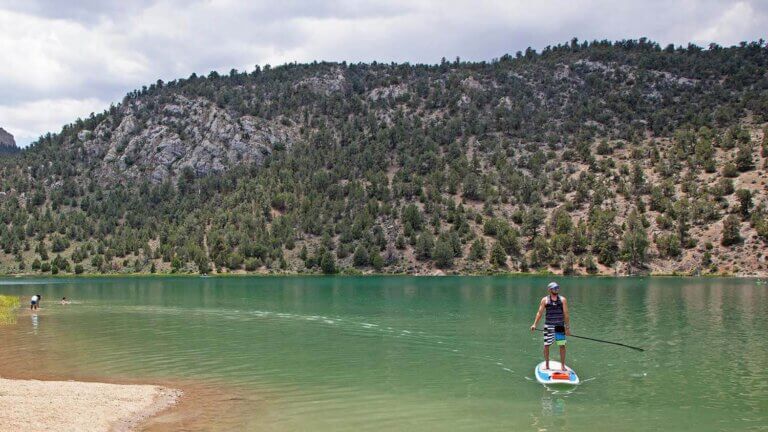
608	157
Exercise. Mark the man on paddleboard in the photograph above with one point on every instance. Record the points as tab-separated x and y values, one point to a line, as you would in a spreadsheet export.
557	322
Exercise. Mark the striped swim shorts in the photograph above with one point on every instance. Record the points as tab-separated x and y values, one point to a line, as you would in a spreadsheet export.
551	336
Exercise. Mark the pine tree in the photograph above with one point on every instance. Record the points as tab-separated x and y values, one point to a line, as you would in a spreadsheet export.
360	258
541	255
478	250
589	264
443	254
509	240
745	202
603	234
328	263
731	227
744	158
424	246
532	220
498	256
377	262
635	241
400	242
568	264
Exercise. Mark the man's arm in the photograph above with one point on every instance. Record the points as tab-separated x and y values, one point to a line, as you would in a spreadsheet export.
566	316
538	315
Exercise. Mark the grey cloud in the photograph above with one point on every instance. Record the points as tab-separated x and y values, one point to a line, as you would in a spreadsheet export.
84	11
91	11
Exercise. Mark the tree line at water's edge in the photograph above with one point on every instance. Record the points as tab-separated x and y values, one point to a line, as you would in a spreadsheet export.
598	157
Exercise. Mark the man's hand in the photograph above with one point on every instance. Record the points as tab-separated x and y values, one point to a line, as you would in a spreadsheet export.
533	328
567	331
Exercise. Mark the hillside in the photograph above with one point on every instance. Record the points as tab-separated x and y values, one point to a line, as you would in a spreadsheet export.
603	157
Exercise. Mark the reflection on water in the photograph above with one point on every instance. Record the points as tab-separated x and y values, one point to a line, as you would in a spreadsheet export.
552	405
418	353
553	411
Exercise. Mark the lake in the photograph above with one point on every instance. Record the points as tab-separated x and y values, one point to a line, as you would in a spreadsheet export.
411	353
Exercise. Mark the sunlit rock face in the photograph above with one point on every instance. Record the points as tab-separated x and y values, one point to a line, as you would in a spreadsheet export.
182	133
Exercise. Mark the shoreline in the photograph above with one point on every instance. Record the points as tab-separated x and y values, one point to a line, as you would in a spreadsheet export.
32	404
182	403
361	274
167	405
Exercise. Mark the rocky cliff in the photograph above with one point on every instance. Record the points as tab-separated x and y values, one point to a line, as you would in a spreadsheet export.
156	143
7	143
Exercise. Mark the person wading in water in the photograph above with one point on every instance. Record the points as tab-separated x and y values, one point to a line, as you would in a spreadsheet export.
557	322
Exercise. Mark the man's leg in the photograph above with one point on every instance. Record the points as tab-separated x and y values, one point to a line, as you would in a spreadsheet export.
562	356
546	356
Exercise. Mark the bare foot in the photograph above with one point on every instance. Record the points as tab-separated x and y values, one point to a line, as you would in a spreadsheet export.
564	369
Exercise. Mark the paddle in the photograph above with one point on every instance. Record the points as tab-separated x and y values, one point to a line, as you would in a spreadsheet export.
603	341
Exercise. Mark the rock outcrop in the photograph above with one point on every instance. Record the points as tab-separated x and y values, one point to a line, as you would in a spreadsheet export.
182	133
7	143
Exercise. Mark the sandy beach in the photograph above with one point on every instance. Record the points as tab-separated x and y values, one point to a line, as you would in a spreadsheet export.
33	405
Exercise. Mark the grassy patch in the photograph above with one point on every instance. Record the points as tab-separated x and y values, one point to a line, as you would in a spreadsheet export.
9	302
8	306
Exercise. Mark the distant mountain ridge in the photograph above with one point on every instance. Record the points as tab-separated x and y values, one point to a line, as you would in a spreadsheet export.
607	157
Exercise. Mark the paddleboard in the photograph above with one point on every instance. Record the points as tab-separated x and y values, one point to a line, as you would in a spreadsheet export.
555	374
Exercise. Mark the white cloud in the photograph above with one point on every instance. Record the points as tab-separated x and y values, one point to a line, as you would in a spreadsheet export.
70	57
44	55
27	121
737	23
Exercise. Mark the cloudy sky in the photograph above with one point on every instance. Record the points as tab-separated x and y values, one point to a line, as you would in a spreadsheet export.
60	60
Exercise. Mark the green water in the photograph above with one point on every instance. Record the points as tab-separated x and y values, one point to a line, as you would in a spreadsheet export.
401	353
